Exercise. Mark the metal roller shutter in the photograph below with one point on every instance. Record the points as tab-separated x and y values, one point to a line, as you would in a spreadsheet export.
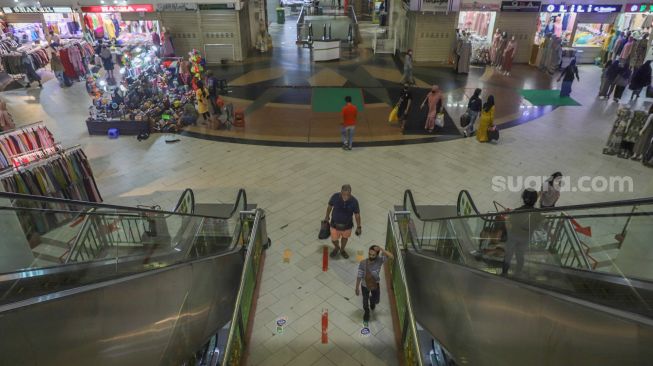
138	16
185	31
433	37
523	27
221	35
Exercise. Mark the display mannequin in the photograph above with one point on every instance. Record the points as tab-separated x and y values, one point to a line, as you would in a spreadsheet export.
638	53
628	49
555	55
619	45
495	44
542	53
464	52
509	55
168	47
606	46
503	42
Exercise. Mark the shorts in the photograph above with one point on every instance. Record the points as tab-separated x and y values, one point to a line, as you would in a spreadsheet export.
337	234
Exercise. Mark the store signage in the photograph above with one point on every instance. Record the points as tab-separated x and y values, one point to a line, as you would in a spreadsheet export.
37	9
434	6
580	8
480	6
522	6
639	8
176	7
132	8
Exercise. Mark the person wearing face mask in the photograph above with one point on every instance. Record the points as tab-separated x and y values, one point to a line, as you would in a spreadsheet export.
550	193
368	278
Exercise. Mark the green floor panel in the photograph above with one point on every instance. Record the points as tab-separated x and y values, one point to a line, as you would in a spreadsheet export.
333	99
547	97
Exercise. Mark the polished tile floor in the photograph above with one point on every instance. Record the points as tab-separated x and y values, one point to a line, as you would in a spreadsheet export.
294	184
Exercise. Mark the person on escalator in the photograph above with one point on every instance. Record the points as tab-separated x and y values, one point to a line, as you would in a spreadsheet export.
520	227
342	206
369	276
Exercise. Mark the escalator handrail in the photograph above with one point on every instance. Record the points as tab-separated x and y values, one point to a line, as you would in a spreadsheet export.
19	196
186	192
610	204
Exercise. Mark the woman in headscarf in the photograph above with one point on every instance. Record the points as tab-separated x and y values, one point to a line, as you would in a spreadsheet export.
622	80
434	99
567	76
487	120
641	79
30	70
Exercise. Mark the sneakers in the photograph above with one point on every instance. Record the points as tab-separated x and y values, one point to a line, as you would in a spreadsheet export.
344	254
366	316
334	253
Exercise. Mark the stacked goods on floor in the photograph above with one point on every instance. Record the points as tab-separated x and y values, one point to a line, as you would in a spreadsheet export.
632	136
150	97
35	164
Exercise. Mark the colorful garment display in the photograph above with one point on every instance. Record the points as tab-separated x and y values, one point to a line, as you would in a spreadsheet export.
13	64
75	57
23	140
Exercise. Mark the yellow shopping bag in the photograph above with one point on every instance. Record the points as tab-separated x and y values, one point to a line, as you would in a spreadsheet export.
393	117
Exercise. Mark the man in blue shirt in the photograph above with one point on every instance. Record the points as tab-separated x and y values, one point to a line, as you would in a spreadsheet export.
342	206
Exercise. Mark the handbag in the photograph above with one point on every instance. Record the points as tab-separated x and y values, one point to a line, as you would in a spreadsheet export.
370	281
325	230
394	115
439	120
493	133
465	119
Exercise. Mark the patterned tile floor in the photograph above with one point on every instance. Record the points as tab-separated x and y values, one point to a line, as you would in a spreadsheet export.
294	184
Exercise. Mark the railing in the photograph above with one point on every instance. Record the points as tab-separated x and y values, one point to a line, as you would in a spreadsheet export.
410	345
300	24
256	241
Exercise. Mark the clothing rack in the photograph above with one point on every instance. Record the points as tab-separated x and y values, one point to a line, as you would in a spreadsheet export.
28	157
24	140
41	161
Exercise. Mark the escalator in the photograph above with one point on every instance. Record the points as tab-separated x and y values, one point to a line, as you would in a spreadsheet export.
128	286
558	309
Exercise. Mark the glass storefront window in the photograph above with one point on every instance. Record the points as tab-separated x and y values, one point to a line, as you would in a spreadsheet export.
478	23
590	34
559	24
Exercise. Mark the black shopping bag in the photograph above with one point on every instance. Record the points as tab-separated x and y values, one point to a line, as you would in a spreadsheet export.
325	230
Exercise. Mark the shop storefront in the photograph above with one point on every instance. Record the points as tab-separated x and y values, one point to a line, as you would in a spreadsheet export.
637	19
478	21
516	19
33	24
128	24
581	29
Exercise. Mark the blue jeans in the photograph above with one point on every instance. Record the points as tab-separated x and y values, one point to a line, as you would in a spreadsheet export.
348	135
473	116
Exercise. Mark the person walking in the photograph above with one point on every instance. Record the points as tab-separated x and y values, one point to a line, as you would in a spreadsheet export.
434	99
608	77
349	116
107	61
57	66
30	70
405	100
567	76
520	227
641	79
202	96
407	77
550	193
622	80
487	120
212	86
342	207
474	111
368	278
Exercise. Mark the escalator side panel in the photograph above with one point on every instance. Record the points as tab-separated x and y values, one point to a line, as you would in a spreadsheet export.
158	317
487	320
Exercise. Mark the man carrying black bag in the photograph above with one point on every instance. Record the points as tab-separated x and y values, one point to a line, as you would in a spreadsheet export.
342	206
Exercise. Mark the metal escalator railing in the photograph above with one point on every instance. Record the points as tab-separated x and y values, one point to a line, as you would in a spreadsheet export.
464	309
543	248
113	241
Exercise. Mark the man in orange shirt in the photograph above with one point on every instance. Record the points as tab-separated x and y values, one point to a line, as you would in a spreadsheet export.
349	114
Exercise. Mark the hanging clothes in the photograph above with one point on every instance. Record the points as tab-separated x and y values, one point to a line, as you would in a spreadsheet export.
22	141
